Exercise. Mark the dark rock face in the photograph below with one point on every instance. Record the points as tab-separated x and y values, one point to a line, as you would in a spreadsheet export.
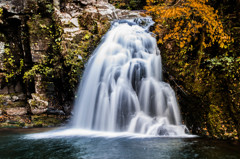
14	6
43	48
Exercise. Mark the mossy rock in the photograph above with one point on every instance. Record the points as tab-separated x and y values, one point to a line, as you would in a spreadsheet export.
31	121
46	120
11	104
14	121
40	28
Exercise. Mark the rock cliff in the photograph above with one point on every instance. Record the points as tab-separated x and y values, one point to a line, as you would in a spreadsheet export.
43	48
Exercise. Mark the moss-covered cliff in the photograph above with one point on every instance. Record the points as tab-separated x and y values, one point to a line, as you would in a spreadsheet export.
43	48
206	80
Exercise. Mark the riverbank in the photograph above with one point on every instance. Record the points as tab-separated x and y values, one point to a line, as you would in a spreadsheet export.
31	121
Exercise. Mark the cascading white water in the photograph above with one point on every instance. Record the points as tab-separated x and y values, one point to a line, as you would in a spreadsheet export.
122	87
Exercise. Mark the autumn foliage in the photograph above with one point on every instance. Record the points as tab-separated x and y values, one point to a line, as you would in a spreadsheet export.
184	20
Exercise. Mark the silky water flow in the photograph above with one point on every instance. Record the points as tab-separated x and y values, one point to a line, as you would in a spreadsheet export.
122	88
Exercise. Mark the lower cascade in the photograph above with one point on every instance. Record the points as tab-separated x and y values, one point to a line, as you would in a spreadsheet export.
122	88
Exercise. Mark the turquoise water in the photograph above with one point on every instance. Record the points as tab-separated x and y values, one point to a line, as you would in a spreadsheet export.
17	143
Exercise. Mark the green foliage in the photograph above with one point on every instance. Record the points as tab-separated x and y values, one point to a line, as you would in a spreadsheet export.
49	8
38	69
221	128
31	6
74	60
1	12
11	67
224	63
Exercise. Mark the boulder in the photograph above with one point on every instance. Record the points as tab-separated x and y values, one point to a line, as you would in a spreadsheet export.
15	98
21	96
37	111
5	98
67	109
16	111
38	104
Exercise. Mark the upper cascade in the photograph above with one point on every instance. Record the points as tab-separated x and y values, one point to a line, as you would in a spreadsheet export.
122	87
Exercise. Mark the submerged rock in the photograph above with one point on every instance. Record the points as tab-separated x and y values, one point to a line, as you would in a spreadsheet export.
55	112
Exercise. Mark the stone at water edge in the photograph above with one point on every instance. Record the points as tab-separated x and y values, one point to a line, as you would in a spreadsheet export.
38	111
16	111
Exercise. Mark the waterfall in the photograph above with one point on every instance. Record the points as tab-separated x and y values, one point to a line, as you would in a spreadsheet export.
122	88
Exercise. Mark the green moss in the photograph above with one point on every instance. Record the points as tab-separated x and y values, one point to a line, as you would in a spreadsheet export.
83	45
221	125
86	37
12	67
34	103
46	120
12	122
31	121
5	102
39	27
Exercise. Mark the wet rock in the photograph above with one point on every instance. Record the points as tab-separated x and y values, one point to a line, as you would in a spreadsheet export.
163	131
67	108
21	96
15	98
14	88
2	46
4	90
5	98
16	111
55	112
37	111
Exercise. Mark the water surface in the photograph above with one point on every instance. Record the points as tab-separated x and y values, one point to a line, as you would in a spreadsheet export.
19	144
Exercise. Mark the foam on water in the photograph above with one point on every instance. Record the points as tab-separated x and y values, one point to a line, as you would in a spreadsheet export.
66	132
